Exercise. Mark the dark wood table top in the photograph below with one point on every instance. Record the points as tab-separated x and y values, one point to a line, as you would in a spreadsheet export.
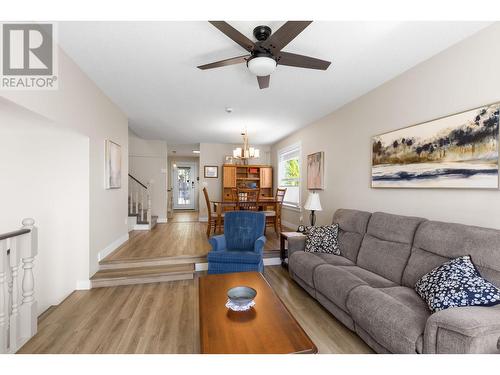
267	328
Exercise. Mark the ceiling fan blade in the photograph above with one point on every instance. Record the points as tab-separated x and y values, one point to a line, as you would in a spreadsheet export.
263	82
301	61
234	34
284	35
231	61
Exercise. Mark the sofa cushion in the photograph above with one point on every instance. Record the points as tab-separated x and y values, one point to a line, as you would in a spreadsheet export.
303	264
386	246
335	283
395	317
372	279
352	227
336	260
456	283
437	242
322	239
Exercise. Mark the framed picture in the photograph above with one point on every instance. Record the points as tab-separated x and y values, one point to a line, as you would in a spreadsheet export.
113	165
315	171
456	151
211	171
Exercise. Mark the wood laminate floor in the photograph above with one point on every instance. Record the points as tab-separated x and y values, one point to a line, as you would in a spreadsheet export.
174	239
162	318
185	216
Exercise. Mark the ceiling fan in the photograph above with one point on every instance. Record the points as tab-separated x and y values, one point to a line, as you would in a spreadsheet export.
266	53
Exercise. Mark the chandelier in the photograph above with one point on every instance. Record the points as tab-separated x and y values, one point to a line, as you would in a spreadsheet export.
245	152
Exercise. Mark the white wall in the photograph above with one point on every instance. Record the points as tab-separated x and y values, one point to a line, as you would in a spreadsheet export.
148	163
81	106
214	154
463	77
44	174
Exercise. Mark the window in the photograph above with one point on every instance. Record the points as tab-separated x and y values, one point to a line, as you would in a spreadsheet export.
289	174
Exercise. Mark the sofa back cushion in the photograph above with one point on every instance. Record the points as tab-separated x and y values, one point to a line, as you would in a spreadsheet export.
437	242
352	227
387	244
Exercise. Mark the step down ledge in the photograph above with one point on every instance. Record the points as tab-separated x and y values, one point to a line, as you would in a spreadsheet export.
146	279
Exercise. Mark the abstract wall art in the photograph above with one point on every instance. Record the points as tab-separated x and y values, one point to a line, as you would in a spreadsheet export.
315	171
113	165
456	151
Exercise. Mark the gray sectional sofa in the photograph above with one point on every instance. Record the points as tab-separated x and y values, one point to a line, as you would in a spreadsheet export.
370	286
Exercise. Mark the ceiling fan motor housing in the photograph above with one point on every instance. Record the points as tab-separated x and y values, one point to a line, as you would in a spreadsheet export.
262	32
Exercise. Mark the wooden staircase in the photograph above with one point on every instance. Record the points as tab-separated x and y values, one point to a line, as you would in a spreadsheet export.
139	205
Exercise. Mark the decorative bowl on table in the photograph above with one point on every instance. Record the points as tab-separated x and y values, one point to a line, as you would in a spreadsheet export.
241	298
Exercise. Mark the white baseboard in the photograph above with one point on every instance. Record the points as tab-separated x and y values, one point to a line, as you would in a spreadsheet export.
111	247
203	219
200	267
272	261
83	285
162	220
267	262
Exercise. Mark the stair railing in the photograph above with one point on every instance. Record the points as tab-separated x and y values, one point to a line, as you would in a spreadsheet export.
18	305
139	199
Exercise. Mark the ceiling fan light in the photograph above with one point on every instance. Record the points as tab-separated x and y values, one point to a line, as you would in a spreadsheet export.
261	66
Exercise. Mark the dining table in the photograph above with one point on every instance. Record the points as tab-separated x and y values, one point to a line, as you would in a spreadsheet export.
262	202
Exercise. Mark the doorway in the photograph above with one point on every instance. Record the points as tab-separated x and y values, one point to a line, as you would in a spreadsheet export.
184	186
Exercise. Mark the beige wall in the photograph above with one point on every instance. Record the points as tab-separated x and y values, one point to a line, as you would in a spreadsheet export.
463	77
214	154
81	106
44	175
148	163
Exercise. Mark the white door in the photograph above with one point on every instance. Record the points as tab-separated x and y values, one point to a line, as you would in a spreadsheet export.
184	183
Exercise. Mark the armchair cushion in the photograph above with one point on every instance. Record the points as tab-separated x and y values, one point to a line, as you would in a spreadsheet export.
242	228
218	242
228	256
259	244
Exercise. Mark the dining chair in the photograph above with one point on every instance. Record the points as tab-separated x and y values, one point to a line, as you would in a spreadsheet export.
212	216
248	199
273	217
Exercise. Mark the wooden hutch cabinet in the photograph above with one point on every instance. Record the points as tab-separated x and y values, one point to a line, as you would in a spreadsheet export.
247	177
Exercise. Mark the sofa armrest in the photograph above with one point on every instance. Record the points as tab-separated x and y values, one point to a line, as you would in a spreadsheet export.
259	244
218	243
296	244
463	330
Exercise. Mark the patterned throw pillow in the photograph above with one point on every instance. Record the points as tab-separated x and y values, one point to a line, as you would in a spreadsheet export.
323	239
456	283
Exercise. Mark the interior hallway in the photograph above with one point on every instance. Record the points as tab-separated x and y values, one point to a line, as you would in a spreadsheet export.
182	236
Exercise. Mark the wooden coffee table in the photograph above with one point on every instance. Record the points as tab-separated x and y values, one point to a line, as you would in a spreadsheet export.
265	329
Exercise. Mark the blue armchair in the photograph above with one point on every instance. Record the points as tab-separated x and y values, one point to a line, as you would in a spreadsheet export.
241	246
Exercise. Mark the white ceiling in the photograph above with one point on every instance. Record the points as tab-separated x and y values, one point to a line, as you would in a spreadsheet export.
149	70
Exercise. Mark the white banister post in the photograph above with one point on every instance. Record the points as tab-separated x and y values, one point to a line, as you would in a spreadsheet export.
3	303
136	201
148	197
143	218
28	248
14	294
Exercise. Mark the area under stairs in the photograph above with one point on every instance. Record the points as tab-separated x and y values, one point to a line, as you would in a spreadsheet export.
142	275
